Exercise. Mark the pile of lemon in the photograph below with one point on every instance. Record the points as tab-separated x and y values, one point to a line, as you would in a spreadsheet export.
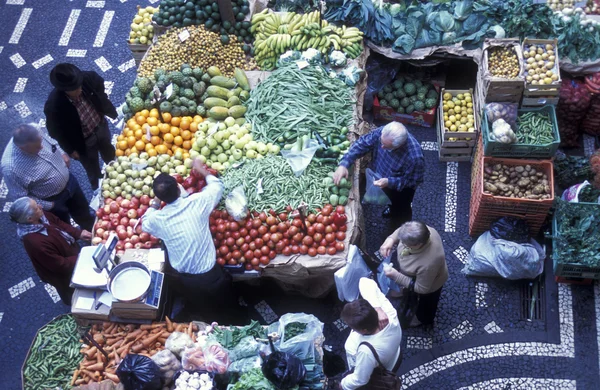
458	113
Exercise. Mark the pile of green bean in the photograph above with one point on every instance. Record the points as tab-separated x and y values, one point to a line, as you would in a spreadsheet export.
279	184
535	128
54	356
293	101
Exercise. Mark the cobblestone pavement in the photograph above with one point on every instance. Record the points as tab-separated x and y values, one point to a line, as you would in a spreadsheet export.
482	339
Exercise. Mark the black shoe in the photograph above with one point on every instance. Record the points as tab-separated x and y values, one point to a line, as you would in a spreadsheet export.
387	213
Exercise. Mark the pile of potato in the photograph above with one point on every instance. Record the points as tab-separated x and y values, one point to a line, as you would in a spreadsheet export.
516	181
503	62
201	50
540	64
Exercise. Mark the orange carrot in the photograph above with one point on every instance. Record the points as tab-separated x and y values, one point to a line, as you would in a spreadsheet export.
146	343
190	329
89	374
133	335
95	367
91	353
74	377
79	381
112	377
162	340
169	324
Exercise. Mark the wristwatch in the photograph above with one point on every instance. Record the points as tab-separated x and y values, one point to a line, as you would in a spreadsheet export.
155	204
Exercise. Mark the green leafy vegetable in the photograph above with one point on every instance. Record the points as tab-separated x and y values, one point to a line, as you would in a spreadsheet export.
253	380
229	338
578	229
463	9
293	329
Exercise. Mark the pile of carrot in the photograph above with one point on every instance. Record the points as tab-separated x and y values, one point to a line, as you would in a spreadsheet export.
119	340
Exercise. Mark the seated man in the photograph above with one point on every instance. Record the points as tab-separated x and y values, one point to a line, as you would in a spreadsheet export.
50	243
374	320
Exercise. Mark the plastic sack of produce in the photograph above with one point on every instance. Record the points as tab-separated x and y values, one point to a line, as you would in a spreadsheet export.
177	342
347	277
573	104
583	192
216	358
284	370
506	111
245	364
591	122
168	364
374	194
299	159
247	347
237	204
382	72
495	257
298	334
510	229
192	359
106	384
197	380
137	372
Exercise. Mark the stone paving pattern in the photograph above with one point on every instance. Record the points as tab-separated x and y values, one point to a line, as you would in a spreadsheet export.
479	340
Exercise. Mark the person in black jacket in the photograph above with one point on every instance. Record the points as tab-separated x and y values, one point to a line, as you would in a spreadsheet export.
75	113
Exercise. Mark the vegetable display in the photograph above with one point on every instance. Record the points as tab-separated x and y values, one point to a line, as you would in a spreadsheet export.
407	95
520	18
199	51
141	29
54	356
576	236
253	380
229	338
187	381
535	128
277	34
503	62
516	181
540	67
578	36
293	102
571	170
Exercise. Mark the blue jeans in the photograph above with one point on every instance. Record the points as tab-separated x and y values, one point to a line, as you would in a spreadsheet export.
71	202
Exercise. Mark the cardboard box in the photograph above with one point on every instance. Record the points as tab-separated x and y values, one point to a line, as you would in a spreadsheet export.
417	118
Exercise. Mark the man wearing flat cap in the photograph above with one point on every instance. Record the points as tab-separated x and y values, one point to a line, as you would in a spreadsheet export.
75	117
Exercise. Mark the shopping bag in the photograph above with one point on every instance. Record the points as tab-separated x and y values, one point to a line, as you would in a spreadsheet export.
347	277
374	194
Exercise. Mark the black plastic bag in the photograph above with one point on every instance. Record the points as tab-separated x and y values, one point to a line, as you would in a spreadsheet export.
381	71
138	372
510	229
284	370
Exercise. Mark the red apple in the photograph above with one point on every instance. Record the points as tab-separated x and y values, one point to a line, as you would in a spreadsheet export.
119	199
138	229
106	217
114	223
128	245
120	245
144	236
114	207
122	234
99	213
106	235
135	239
145	200
123	212
148	244
96	240
126	203
140	212
107	209
139	245
100	232
124	221
132	213
135	203
132	222
178	178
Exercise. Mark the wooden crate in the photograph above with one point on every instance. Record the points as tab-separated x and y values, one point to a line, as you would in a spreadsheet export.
460	149
138	51
497	89
536	95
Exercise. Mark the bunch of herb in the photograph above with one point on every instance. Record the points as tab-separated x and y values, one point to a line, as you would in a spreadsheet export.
578	229
229	338
293	329
577	41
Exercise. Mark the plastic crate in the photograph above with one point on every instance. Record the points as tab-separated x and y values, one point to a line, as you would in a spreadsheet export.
574	281
498	149
570	270
504	204
481	218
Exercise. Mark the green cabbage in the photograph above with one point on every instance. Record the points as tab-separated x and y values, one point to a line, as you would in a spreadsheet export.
463	9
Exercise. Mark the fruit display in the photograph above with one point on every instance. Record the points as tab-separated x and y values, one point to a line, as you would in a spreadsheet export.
540	67
258	239
141	28
275	34
458	112
503	62
201	49
146	132
406	95
206	12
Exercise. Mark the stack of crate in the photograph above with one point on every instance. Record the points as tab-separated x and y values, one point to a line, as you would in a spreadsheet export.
537	95
457	145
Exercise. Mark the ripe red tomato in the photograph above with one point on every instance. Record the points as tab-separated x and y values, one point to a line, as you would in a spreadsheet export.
321	250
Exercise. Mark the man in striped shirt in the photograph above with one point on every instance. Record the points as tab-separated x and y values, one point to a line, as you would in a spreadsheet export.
34	165
183	225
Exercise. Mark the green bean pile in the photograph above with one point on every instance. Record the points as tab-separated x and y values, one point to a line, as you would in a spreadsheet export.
535	128
296	101
281	187
54	356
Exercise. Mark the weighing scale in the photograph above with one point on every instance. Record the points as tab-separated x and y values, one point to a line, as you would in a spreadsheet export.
148	307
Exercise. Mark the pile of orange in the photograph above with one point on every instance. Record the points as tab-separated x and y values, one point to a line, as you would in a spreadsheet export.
145	131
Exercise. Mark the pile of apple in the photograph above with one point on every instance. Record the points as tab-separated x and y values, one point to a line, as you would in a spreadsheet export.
122	216
258	239
219	145
141	27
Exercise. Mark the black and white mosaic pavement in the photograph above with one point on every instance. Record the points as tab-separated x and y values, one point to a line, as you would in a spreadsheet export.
481	339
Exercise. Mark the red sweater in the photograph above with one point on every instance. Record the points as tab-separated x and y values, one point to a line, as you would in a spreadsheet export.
52	257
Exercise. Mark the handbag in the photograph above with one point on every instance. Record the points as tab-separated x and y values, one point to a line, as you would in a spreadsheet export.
408	305
382	378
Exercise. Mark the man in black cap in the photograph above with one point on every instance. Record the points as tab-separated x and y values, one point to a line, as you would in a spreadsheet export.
75	113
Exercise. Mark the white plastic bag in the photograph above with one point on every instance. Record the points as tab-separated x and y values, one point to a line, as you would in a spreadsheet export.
299	160
386	284
374	194
303	345
347	277
237	204
490	256
168	364
571	194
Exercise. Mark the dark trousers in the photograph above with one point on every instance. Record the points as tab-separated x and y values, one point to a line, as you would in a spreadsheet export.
427	306
401	209
72	202
98	142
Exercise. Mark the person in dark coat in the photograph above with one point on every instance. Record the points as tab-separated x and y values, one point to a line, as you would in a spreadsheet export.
50	243
75	117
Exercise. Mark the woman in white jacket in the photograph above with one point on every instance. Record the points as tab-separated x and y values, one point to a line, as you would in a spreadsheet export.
374	320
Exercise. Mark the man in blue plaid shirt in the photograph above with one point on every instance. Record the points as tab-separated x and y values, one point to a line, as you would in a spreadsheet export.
397	158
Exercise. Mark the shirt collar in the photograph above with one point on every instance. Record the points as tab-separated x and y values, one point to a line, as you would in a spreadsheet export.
406	251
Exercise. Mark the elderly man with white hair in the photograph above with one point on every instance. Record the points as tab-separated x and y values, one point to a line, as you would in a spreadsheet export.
397	158
34	165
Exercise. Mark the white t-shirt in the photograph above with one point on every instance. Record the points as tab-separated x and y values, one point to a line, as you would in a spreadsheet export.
386	342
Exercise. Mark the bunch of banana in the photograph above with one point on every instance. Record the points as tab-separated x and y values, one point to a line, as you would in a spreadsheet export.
275	34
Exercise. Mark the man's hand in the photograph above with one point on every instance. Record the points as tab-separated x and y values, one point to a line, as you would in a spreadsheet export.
381	183
199	167
383	318
67	160
387	246
85	235
75	155
340	172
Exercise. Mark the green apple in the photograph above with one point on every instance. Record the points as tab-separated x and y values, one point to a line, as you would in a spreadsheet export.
152	161
188	162
178	155
213	157
251	153
119	169
226	165
218	149
205	151
135	174
239	144
261	148
143	173
200	141
150	171
274	149
231	159
218	136
229	121
252	145
147	180
236	154
113	174
203	127
211	143
222	126
194	154
226	145
117	190
195	147
138	185
233	138
181	169
222	157
144	156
